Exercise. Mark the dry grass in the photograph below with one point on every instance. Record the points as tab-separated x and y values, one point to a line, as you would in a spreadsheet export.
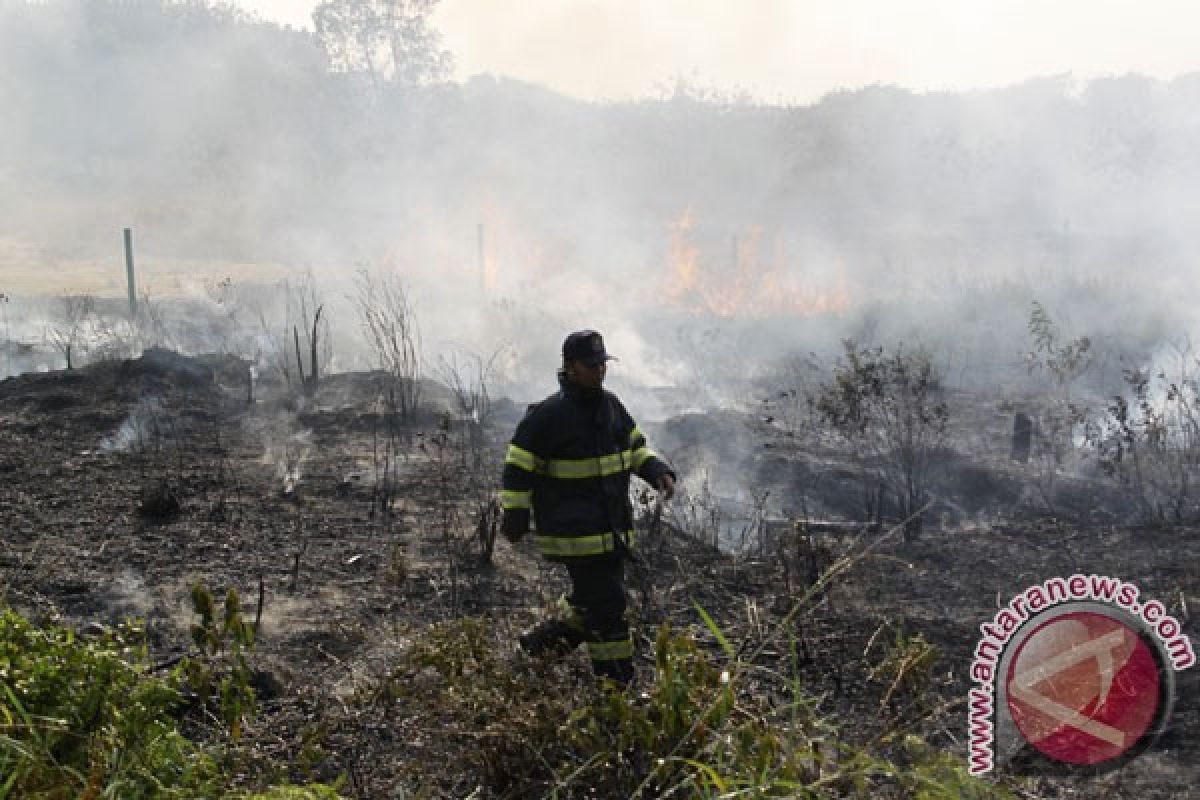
30	271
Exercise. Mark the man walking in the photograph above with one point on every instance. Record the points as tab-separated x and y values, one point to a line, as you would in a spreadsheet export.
569	463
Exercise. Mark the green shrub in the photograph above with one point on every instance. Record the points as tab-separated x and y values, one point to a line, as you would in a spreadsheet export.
221	669
706	726
505	718
83	719
704	731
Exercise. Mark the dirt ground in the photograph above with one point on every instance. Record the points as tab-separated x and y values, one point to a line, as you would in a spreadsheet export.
278	501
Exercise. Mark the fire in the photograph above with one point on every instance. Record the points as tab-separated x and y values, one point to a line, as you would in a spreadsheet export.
683	258
487	244
752	286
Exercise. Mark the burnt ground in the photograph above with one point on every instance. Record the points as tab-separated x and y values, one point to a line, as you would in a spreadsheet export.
125	483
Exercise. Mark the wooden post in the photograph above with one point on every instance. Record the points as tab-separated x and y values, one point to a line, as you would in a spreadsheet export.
1022	437
299	361
312	360
129	273
258	611
8	342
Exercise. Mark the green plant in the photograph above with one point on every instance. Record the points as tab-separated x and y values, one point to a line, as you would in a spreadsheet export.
715	720
1063	361
905	670
84	719
934	775
506	720
222	669
707	731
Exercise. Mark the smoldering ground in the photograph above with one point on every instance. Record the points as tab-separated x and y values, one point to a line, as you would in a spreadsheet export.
725	247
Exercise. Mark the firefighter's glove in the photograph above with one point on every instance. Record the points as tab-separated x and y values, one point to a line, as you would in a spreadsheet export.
515	525
666	485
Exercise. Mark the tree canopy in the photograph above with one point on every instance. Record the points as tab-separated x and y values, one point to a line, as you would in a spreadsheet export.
389	41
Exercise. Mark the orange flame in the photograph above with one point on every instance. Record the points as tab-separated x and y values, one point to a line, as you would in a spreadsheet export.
751	288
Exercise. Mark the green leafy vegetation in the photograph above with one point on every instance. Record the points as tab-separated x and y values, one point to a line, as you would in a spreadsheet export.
222	670
707	725
87	718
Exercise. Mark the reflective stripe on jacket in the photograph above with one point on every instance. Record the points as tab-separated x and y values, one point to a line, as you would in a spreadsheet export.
568	465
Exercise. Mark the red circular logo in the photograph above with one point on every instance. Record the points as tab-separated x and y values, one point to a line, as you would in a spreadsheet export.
1083	688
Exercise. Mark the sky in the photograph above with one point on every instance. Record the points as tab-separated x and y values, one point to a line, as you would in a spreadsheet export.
795	51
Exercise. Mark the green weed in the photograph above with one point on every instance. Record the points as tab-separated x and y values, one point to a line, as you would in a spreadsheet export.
83	719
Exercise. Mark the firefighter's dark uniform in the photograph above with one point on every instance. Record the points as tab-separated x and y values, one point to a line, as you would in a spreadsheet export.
569	462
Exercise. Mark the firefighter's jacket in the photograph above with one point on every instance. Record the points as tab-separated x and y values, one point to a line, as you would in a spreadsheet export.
569	464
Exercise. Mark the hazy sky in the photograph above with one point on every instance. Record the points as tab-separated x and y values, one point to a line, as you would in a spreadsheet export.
797	50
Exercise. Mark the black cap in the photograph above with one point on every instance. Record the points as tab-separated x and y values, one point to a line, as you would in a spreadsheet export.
585	346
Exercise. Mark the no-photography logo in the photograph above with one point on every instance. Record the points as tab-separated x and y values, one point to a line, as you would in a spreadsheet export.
1079	669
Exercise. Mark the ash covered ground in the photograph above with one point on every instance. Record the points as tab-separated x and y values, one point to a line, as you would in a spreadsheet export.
126	482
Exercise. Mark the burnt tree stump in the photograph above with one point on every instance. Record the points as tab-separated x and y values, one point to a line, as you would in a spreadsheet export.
1022	437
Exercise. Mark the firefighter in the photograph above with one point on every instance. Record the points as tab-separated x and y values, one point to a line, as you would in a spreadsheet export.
569	464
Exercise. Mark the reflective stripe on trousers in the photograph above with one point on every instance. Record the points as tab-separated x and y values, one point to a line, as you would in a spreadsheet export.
591	545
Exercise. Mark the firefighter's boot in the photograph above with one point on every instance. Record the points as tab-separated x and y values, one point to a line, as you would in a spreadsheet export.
619	671
555	637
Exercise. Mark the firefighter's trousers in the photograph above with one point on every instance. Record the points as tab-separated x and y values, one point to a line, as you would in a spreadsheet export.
597	603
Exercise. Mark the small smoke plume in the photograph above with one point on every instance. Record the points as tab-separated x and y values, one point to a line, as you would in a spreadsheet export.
286	448
137	433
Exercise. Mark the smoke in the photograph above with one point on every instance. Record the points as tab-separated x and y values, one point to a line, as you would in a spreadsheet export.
707	235
139	430
126	596
286	448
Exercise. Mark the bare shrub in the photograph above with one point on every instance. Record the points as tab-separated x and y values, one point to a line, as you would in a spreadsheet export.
151	434
114	337
271	341
1062	363
392	332
68	330
223	317
888	410
1149	442
789	404
697	513
305	310
386	453
468	376
152	326
446	476
487	526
